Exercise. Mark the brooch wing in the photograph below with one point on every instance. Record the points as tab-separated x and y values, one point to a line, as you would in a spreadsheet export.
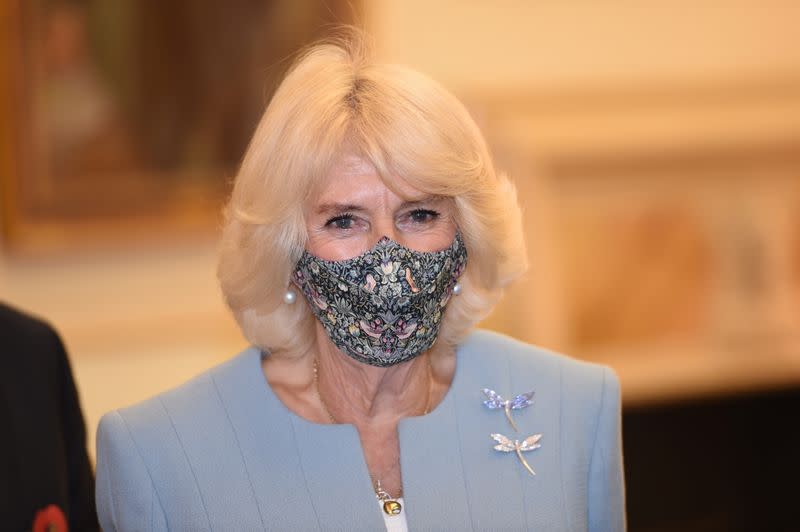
503	443
494	400
530	443
522	400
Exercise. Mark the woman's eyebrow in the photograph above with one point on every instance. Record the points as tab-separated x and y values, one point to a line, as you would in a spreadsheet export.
427	200
332	208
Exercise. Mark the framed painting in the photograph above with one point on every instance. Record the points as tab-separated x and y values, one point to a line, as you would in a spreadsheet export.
124	121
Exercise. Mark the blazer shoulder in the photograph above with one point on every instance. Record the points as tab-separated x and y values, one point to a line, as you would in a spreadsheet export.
179	406
577	407
584	386
521	354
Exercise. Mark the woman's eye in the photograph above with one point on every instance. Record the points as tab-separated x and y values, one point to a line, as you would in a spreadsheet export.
423	215
343	221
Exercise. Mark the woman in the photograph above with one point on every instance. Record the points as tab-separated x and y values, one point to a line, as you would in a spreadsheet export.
366	234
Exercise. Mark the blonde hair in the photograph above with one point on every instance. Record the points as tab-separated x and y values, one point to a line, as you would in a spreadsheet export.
336	100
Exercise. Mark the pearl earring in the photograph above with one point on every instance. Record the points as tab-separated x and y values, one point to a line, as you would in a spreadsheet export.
290	296
457	289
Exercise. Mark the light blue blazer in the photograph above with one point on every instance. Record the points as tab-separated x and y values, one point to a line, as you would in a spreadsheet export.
222	452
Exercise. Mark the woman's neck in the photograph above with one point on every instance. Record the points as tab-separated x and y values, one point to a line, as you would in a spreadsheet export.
327	386
357	393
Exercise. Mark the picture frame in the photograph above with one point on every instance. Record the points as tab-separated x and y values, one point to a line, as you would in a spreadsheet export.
123	123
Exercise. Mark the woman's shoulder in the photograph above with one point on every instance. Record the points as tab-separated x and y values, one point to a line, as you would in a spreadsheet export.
520	355
182	449
576	385
197	401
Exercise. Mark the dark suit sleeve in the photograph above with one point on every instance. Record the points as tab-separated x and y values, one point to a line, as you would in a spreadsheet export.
83	515
606	482
44	460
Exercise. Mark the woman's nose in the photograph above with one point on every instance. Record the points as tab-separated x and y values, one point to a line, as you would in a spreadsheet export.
385	228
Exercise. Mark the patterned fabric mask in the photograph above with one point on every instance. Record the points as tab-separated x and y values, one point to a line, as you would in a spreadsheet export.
384	306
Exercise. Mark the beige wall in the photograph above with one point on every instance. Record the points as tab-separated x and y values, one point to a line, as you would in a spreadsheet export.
582	44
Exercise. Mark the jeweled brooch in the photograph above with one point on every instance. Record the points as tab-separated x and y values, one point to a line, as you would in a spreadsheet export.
507	445
495	401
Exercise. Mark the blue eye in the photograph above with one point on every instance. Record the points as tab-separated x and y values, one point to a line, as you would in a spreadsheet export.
342	221
423	215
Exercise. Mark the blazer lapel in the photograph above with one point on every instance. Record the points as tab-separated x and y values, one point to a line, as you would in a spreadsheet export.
336	476
434	487
266	442
455	479
304	475
543	495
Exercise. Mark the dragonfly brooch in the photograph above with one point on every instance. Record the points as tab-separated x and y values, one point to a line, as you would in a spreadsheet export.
507	445
495	400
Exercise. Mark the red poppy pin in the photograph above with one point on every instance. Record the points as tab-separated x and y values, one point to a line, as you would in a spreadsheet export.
50	519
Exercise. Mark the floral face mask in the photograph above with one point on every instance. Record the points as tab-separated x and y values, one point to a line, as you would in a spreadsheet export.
384	306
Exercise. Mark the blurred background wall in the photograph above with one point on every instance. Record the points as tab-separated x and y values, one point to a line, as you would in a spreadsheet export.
655	147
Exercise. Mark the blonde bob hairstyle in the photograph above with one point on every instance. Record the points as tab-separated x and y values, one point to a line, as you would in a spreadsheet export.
336	100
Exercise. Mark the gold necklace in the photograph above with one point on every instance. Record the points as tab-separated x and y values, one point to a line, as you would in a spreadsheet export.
391	505
319	395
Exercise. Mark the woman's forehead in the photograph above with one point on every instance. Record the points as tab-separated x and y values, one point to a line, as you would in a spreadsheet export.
351	164
355	180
